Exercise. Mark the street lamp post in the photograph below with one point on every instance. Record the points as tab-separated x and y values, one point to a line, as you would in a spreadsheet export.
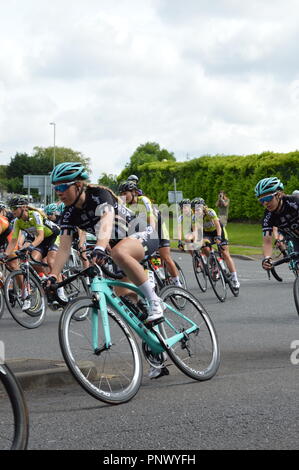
54	156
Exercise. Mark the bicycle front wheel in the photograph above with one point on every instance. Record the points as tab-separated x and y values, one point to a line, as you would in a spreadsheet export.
14	420
216	278
197	353
34	316
111	374
200	271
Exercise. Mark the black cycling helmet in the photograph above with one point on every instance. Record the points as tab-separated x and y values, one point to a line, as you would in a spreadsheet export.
184	201
127	186
17	201
197	201
2	205
133	178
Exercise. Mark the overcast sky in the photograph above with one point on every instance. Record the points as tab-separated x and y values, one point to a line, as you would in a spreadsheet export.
197	76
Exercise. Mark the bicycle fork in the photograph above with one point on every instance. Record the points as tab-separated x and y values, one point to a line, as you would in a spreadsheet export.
99	305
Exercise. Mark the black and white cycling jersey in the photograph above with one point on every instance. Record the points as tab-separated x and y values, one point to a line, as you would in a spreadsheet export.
286	219
98	201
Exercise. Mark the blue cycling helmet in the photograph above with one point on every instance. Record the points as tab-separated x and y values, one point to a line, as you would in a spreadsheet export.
60	207
268	185
68	171
51	209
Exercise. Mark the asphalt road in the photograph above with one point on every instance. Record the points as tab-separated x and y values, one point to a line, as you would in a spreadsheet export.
252	402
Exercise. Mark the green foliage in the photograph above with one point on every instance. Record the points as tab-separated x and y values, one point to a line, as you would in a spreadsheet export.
145	153
205	176
39	163
109	180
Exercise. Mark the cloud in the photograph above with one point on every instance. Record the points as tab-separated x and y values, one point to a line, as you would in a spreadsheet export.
197	77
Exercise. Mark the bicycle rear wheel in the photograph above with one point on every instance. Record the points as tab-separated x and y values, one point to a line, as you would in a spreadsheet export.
200	271
216	277
113	374
14	421
197	353
2	302
35	315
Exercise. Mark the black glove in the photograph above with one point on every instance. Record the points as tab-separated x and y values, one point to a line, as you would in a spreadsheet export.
180	244
99	254
267	263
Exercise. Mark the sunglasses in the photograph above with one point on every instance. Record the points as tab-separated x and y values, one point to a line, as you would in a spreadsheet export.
63	186
267	198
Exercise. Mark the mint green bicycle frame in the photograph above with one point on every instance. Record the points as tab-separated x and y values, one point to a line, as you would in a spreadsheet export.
102	287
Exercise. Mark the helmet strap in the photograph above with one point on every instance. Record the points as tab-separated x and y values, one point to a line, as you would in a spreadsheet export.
79	194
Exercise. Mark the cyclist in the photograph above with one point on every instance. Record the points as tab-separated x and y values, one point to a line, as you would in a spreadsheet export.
186	233
135	179
208	227
97	210
45	232
281	211
137	203
52	212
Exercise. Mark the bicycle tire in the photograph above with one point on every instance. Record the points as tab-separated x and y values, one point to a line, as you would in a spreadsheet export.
228	279
200	271
216	278
197	355
14	423
296	293
2	302
35	315
114	376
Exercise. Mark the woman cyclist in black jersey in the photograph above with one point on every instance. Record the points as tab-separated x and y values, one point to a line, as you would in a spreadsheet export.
96	209
281	211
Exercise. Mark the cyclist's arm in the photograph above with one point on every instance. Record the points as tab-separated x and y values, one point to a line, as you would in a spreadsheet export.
267	246
39	237
103	229
218	226
12	245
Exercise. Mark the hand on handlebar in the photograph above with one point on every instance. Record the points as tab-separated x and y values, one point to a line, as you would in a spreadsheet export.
99	255
267	263
180	245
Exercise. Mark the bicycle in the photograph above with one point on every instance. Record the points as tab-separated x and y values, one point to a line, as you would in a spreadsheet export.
161	273
25	282
293	258
286	248
14	421
102	353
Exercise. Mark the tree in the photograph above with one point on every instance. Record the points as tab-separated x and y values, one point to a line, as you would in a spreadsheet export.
39	163
110	181
145	153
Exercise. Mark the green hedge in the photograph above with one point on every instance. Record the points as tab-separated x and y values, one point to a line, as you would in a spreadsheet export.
236	175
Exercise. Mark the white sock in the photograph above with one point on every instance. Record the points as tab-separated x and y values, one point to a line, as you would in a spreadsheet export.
60	291
234	276
148	291
176	281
